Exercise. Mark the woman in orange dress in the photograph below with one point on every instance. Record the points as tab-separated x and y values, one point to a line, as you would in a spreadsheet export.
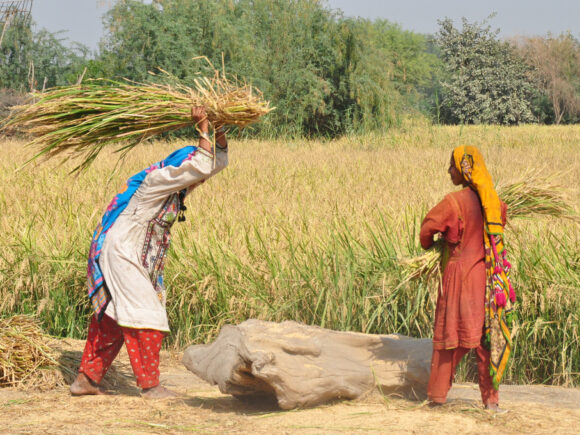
469	220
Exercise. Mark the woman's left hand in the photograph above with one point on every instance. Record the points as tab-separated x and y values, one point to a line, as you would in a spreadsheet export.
199	115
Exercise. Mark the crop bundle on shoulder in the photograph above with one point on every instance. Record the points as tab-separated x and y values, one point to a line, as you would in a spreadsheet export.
80	120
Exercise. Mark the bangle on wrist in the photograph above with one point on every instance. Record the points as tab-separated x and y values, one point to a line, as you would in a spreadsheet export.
204	135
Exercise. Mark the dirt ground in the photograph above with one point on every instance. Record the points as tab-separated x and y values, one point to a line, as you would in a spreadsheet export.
202	408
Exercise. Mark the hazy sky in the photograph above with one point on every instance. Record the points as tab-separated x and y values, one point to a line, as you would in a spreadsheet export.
81	19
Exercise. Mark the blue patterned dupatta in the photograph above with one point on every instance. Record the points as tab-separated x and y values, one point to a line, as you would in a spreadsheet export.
98	292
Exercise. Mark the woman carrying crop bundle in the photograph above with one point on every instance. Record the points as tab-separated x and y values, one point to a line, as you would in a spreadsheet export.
126	262
475	300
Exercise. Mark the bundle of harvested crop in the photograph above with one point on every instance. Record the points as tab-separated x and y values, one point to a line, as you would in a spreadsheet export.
80	120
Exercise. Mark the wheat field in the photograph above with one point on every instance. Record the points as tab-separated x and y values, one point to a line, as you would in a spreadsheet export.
304	230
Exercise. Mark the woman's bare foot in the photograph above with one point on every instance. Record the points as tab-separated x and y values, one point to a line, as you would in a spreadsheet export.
494	407
83	386
158	392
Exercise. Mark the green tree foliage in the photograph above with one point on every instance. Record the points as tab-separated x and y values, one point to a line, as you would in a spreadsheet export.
486	81
55	64
15	58
389	70
325	74
34	60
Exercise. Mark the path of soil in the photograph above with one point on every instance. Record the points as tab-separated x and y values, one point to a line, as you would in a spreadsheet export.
202	408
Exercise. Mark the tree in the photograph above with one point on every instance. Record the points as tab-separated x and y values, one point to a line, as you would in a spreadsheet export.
284	48
54	63
16	58
486	81
325	74
35	60
555	63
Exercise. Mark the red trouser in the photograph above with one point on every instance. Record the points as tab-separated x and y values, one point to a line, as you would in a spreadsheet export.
443	364
106	339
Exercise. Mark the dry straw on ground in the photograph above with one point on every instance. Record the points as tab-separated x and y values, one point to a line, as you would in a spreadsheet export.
80	120
24	351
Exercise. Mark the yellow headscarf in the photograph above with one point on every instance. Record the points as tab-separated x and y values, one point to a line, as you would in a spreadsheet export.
499	294
469	162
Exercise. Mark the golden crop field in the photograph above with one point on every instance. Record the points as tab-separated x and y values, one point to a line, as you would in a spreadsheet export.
304	230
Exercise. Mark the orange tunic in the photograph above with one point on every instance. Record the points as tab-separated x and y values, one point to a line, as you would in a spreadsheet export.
459	316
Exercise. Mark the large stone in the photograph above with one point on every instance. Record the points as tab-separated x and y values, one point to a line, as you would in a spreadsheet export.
299	365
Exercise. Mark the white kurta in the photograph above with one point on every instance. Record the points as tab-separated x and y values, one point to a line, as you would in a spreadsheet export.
136	300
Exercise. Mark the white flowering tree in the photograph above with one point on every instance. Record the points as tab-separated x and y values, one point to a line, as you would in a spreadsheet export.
485	82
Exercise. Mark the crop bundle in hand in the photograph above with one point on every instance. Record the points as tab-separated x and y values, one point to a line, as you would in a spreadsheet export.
529	196
80	120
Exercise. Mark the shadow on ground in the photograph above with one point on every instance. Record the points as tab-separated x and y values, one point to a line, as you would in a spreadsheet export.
247	406
118	380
